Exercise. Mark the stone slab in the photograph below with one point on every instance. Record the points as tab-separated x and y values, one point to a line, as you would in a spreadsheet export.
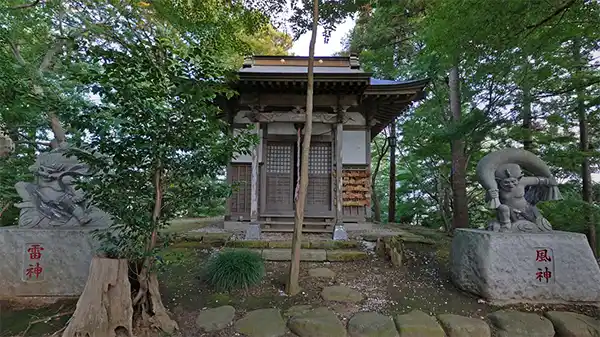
261	323
341	255
371	324
63	255
216	318
503	268
568	324
253	232
418	324
319	322
286	254
510	323
461	326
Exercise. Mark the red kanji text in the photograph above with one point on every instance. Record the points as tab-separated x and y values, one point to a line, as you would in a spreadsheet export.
542	255
35	252
543	274
34	270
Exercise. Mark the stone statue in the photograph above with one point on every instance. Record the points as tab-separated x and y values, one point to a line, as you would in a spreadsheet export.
514	195
52	201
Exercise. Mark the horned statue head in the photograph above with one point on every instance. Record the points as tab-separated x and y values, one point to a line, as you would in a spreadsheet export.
56	163
508	175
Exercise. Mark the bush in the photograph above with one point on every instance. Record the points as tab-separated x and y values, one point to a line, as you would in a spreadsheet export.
234	269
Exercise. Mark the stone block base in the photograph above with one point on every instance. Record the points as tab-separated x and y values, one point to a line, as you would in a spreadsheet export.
253	232
339	232
44	262
504	268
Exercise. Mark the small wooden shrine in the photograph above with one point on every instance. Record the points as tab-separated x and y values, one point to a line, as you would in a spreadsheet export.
350	108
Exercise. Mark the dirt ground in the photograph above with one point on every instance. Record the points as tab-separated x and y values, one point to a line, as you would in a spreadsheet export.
422	283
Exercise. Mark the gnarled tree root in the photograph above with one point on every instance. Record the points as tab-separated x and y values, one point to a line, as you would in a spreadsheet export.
154	314
104	308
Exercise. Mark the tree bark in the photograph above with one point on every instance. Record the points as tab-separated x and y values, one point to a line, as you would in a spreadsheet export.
376	201
584	147
292	286
392	195
527	117
144	312
460	216
104	309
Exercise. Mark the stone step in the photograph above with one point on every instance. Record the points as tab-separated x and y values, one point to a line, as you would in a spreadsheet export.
313	255
291	230
312	244
289	223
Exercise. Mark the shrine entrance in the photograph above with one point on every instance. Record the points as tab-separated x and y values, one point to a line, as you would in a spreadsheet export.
282	169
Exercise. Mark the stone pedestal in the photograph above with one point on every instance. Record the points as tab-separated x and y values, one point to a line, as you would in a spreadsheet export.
253	231
504	268
45	262
339	232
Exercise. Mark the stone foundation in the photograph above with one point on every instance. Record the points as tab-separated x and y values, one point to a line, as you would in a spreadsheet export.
503	268
44	262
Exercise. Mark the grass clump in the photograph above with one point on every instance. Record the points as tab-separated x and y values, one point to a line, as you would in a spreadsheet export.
234	269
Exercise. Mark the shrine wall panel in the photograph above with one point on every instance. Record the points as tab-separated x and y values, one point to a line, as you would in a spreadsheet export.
354	149
288	129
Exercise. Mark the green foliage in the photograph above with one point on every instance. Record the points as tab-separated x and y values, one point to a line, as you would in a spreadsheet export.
516	59
268	41
161	139
570	214
234	269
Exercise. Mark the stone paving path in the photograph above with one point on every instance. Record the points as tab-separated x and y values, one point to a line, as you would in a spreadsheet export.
307	321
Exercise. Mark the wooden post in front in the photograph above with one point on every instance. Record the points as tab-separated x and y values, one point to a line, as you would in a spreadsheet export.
339	210
339	232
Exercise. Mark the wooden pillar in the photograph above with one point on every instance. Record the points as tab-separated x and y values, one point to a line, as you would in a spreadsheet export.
368	211
339	207
392	199
254	179
263	170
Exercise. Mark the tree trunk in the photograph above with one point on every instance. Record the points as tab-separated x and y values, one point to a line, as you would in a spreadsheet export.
104	309
376	205
526	112
392	195
145	312
460	216
292	286
57	129
584	144
375	196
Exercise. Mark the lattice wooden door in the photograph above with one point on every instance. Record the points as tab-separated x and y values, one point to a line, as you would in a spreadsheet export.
280	178
240	198
318	198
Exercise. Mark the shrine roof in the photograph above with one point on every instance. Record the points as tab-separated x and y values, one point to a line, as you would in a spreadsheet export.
333	74
300	69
